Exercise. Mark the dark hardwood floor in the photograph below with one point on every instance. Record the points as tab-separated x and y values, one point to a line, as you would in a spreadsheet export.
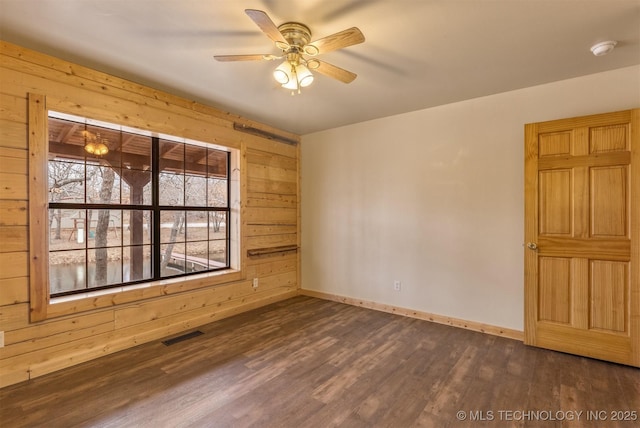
307	362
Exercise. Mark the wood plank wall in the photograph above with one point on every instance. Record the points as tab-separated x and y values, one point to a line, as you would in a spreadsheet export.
270	216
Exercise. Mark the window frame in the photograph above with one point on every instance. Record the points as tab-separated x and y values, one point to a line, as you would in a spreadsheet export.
42	306
155	205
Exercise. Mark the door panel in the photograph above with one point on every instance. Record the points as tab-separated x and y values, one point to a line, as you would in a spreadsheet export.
555	202
609	138
557	143
610	285
555	289
609	201
582	209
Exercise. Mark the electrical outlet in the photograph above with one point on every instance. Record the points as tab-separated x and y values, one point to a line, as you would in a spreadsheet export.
1	339
397	285
255	282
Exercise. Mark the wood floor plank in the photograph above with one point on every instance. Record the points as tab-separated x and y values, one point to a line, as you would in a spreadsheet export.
315	363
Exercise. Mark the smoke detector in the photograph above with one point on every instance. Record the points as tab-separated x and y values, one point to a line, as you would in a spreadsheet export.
603	48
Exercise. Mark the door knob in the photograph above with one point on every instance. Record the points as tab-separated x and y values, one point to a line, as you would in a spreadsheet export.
532	246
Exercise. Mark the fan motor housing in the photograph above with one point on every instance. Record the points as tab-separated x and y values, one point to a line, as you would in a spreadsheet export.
298	35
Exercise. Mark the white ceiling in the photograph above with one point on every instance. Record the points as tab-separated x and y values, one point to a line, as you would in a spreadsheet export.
417	53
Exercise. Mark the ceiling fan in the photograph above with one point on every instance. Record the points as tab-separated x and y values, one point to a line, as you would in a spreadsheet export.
294	40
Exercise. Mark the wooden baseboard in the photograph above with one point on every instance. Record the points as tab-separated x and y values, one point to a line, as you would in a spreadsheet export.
440	319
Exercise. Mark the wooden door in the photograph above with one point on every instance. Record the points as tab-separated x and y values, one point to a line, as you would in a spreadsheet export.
582	233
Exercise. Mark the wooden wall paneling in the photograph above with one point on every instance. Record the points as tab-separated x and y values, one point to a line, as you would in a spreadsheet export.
37	78
123	108
270	229
13	291
81	330
41	343
13	115
13	217
268	241
13	186
13	213
106	82
13	108
214	297
274	215
66	354
14	238
171	323
58	327
272	173
13	134
271	265
131	114
13	160
270	186
14	265
159	308
284	157
271	200
224	122
269	226
14	316
266	145
12	374
259	157
267	172
168	287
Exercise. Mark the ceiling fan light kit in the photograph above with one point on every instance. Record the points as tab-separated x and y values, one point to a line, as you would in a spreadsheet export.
294	40
282	73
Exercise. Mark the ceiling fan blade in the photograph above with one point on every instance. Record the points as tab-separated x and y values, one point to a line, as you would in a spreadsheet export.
258	57
335	72
349	37
267	26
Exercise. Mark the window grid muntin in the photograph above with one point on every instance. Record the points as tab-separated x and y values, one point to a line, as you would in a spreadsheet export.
155	244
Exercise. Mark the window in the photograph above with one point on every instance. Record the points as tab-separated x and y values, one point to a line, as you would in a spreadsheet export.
141	207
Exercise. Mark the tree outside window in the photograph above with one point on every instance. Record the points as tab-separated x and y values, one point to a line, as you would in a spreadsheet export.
149	208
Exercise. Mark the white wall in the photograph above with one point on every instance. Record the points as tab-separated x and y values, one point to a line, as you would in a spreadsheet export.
434	198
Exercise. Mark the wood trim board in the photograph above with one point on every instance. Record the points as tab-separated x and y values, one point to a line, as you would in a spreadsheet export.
412	313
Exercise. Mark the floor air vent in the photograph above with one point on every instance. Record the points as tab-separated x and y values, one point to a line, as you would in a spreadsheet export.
187	336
